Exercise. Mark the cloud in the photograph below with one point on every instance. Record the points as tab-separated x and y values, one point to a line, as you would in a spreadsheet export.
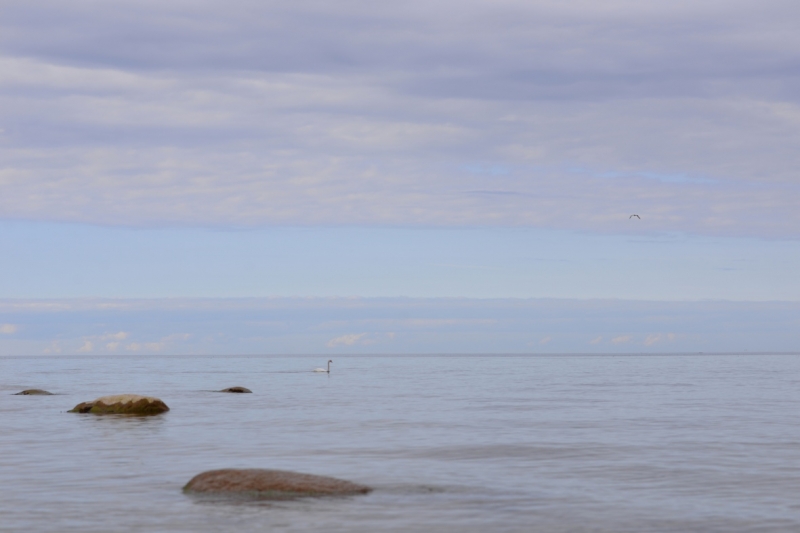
52	348
345	340
545	340
363	339
621	339
659	337
414	323
596	340
88	346
116	338
119	336
8	329
176	337
381	114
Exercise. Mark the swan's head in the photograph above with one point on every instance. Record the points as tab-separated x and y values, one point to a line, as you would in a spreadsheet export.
330	361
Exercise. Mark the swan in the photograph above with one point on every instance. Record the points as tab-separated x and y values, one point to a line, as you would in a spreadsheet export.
323	370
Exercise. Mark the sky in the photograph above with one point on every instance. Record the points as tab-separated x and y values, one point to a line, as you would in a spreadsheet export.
419	152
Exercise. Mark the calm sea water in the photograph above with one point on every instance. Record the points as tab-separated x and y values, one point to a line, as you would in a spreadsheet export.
490	443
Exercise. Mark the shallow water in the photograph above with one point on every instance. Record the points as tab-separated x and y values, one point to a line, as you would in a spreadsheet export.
491	443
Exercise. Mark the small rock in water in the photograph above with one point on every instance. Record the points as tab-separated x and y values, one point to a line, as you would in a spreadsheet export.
123	404
236	389
34	392
275	484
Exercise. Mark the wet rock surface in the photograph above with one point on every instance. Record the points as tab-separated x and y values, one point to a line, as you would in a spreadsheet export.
34	392
236	389
270	484
123	404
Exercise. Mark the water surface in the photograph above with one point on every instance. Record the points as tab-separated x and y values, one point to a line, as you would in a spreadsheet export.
673	443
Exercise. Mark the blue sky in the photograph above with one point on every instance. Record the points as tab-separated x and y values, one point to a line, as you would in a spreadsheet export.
49	260
423	150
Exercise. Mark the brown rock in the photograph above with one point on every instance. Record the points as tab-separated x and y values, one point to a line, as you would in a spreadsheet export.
34	392
123	404
236	389
277	484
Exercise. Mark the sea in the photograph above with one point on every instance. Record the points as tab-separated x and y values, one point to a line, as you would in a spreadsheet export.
479	443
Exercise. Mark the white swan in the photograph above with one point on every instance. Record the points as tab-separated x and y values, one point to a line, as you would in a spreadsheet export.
323	370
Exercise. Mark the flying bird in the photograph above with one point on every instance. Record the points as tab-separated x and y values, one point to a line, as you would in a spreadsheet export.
637	216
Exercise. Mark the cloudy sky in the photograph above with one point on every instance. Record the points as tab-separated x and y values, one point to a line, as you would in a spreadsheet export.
469	149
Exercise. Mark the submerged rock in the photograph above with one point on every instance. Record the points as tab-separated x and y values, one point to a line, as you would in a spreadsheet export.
236	389
34	392
123	404
277	484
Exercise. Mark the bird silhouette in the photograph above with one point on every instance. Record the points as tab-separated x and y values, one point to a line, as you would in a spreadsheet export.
637	216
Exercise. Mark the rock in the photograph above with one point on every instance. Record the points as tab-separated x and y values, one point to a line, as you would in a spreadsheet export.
270	484
123	404
236	389
34	392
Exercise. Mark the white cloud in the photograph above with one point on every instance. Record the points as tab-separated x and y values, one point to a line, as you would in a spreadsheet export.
8	329
345	340
54	347
88	346
545	340
119	336
554	93
176	337
596	340
115	339
442	322
659	337
415	323
622	339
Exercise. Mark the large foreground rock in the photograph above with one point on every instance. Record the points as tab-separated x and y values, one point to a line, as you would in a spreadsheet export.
123	404
34	392
277	484
236	389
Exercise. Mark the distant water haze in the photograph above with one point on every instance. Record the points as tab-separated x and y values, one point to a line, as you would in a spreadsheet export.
225	326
